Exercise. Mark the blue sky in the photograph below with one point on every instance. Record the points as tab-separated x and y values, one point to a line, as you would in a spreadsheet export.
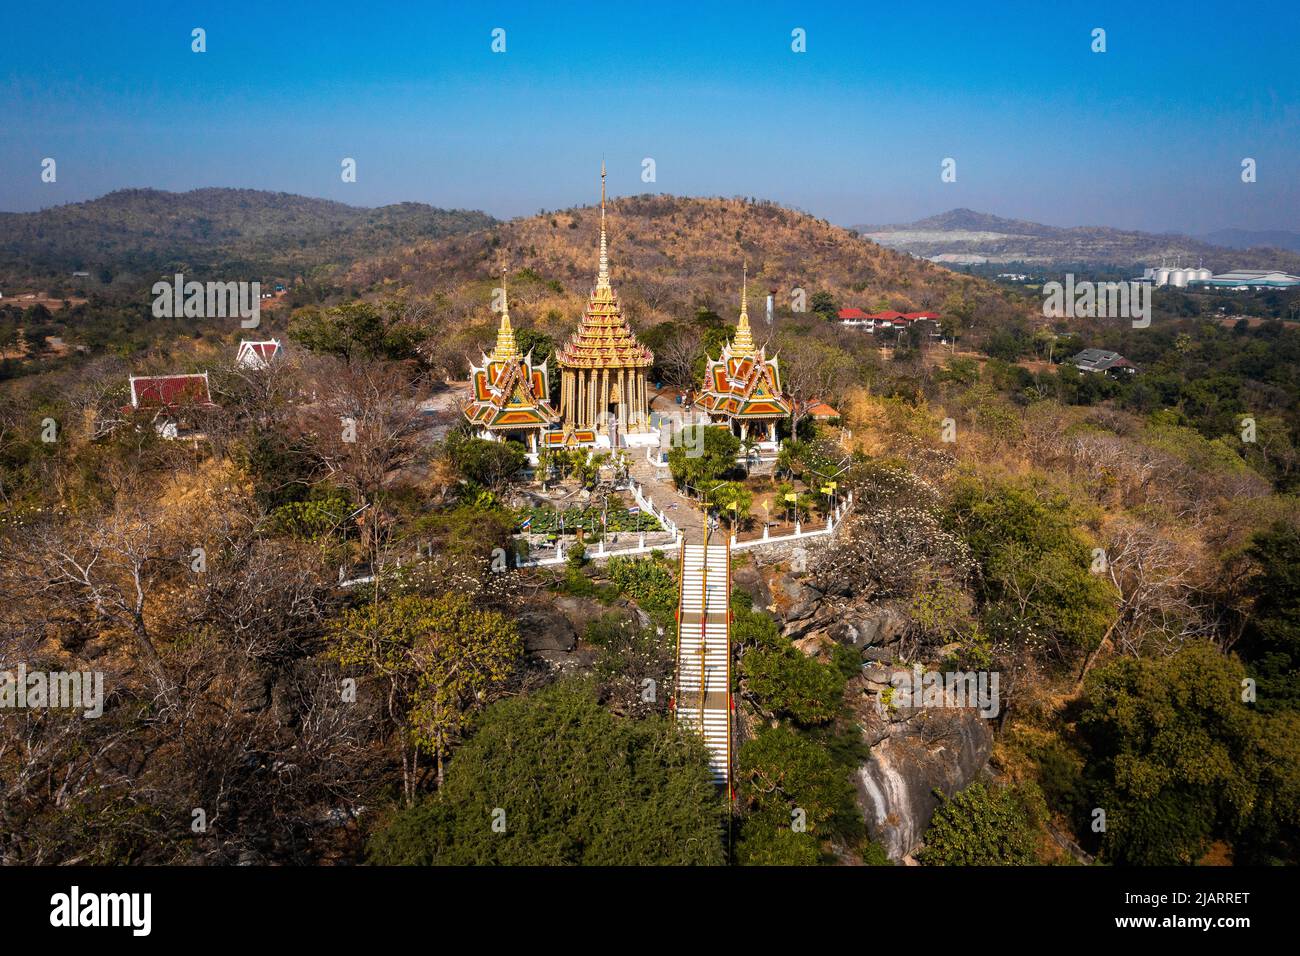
1149	134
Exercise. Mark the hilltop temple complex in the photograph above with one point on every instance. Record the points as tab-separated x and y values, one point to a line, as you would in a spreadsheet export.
510	395
604	397
742	387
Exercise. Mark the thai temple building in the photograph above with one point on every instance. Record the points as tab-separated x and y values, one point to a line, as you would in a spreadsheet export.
742	387
604	398
510	395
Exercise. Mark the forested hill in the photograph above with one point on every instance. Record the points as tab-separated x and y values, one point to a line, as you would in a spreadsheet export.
670	255
130	235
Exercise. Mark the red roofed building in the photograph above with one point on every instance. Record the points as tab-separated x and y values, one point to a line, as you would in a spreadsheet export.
168	399
820	411
891	321
257	354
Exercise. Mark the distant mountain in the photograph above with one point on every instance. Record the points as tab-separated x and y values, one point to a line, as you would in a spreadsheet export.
963	236
133	234
1247	239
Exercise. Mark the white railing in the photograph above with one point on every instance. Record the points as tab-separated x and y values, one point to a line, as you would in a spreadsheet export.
648	504
833	521
599	553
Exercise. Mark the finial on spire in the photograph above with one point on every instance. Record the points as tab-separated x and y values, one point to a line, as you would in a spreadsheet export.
602	278
743	343
505	293
506	350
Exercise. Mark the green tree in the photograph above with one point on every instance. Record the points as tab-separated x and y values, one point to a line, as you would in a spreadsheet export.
439	659
733	500
1172	753
488	463
795	796
985	826
566	782
702	453
1271	643
1037	581
777	676
355	330
823	305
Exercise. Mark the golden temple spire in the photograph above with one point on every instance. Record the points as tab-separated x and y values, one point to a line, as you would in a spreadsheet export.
602	278
743	343
506	350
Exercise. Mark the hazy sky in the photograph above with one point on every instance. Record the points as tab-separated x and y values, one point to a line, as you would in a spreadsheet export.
1148	135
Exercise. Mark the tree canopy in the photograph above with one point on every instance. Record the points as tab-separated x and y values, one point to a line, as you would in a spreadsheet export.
565	782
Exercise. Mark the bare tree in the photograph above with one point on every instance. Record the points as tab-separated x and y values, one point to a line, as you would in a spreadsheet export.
677	357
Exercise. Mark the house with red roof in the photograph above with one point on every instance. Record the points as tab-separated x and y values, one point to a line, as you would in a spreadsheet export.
891	321
170	401
258	355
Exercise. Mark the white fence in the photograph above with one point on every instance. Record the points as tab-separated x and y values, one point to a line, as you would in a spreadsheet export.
599	552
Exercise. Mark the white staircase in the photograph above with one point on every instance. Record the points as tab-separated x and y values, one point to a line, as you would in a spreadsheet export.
703	699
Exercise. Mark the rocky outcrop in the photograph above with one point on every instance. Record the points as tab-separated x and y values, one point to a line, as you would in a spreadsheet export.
914	754
915	751
552	632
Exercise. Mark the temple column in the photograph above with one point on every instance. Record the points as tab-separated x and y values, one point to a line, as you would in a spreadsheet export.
603	397
622	399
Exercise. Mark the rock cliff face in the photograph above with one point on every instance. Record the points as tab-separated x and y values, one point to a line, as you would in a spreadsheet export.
912	758
914	751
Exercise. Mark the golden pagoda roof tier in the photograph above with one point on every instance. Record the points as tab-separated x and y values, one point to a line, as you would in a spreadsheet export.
603	339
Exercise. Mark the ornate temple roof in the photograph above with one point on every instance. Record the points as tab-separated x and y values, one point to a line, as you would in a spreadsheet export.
743	382
509	391
604	339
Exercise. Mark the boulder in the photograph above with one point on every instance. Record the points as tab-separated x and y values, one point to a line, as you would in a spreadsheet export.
880	625
750	580
801	611
877	677
814	644
878	655
565	660
844	633
546	629
581	611
795	590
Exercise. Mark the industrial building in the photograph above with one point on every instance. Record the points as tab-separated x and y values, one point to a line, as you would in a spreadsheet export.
1180	277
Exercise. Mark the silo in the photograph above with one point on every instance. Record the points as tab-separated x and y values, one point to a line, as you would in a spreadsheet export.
1179	277
1162	276
1203	274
